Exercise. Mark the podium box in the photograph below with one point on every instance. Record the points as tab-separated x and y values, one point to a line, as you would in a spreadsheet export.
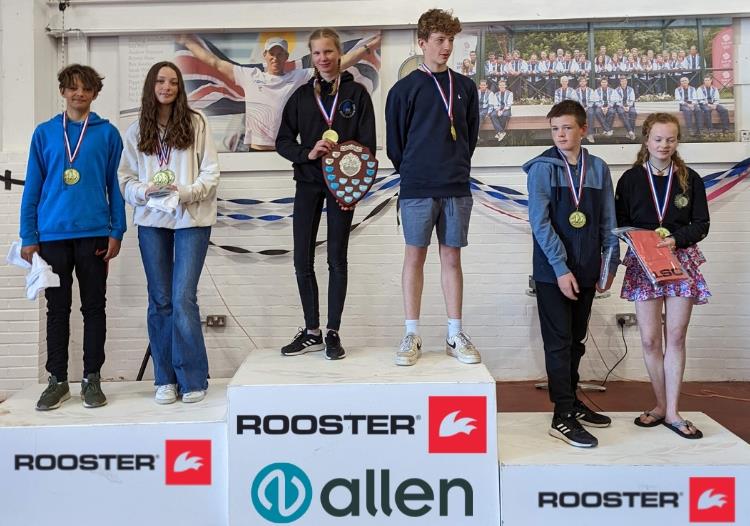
129	462
313	441
644	476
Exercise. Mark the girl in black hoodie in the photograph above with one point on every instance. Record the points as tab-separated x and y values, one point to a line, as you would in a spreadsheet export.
330	108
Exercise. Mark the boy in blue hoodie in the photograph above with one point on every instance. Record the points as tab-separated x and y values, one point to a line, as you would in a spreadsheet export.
572	214
73	214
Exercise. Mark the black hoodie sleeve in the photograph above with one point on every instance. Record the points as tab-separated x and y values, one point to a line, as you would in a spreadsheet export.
472	117
700	221
286	139
622	203
366	124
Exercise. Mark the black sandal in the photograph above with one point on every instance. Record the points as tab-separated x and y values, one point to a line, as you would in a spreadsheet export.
658	419
687	424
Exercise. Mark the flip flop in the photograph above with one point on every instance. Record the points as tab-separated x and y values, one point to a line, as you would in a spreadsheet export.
658	419
675	426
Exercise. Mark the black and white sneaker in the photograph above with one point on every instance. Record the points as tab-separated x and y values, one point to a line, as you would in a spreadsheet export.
334	350
588	417
568	429
302	343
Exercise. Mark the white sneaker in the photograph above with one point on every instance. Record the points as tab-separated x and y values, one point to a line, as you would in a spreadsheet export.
410	350
609	133
461	348
166	394
590	138
631	136
193	396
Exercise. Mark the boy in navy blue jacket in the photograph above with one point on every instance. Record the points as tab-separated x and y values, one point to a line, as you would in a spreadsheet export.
432	118
572	214
73	214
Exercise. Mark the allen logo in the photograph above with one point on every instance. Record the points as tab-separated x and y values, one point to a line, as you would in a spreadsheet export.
712	499
457	424
188	462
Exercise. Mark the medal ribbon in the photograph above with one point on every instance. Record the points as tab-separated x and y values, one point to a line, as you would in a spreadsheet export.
164	151
328	117
448	102
72	156
661	210
581	178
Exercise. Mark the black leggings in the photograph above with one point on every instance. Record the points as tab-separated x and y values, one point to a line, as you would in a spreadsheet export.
308	206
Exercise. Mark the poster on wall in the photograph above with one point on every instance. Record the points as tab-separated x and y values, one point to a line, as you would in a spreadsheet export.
241	81
620	72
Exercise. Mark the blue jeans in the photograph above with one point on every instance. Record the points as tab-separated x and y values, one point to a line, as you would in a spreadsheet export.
173	260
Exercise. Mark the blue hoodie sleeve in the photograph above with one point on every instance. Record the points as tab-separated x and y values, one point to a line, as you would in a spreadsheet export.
540	189
32	191
609	222
395	127
117	222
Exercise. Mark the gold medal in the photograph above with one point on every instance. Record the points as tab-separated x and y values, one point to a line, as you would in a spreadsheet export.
164	177
71	176
577	219
453	132
681	200
663	232
331	135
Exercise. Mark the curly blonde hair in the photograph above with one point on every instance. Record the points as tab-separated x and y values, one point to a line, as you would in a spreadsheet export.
437	21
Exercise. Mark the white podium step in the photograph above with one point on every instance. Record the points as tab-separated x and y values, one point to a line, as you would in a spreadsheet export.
129	462
644	476
313	441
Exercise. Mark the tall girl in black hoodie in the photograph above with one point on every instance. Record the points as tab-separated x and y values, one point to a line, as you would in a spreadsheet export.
330	108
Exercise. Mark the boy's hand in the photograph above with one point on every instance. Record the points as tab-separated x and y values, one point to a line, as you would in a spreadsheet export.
113	248
27	252
607	285
568	286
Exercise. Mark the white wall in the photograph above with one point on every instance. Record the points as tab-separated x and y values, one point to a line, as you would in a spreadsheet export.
260	292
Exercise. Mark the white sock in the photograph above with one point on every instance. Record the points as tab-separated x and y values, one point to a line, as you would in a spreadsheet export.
454	327
412	327
315	332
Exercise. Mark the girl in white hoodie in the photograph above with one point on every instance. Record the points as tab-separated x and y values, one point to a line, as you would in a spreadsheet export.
169	172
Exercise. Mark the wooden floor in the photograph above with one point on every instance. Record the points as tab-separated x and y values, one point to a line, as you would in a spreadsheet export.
726	402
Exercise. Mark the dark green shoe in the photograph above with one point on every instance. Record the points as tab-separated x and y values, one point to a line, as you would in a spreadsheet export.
55	394
91	391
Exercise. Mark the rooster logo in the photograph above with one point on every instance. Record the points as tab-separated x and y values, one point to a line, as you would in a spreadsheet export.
709	499
185	462
452	425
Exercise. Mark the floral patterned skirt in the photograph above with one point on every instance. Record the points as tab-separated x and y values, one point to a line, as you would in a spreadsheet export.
637	287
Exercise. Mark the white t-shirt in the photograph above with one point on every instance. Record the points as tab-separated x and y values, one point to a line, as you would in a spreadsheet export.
265	97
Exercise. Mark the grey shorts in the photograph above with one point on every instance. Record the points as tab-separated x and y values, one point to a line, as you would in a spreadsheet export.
450	215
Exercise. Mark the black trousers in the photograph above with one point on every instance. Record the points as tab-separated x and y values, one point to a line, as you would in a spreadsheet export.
65	257
308	206
564	324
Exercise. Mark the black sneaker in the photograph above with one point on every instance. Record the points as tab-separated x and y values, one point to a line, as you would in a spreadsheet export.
302	343
91	391
334	350
588	417
568	429
55	394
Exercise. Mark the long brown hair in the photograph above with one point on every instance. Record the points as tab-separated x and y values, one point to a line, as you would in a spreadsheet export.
333	36
643	155
180	131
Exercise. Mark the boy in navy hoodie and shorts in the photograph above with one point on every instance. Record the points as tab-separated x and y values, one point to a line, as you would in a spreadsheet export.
73	214
572	214
432	118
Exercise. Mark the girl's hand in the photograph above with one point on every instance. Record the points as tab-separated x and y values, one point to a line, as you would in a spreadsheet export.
321	148
667	242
